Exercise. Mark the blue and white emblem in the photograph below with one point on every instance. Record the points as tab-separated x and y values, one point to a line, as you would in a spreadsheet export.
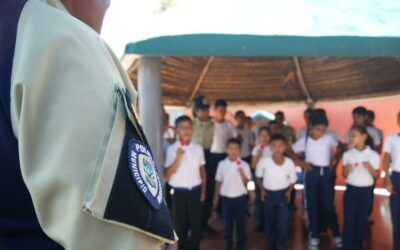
144	173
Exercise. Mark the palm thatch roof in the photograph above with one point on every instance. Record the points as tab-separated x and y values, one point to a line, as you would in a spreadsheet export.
247	80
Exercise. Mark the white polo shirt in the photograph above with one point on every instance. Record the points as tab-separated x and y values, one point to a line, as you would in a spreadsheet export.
247	141
187	174
222	133
303	131
317	152
359	176
276	177
392	147
373	132
266	150
228	174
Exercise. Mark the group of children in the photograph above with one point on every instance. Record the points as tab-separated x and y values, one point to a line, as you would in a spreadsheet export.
216	177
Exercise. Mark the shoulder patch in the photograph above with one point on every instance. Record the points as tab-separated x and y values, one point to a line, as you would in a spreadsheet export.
144	173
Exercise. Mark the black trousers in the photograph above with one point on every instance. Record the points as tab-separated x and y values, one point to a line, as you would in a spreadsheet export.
187	217
212	161
234	212
356	203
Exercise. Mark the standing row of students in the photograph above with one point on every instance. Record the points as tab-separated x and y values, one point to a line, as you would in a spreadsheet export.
212	162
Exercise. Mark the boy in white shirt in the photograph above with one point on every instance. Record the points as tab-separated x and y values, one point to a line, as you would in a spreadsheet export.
276	176
392	158
359	118
360	168
245	135
185	171
319	151
232	177
260	151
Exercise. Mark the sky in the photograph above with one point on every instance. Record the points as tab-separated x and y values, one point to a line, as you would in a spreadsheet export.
135	20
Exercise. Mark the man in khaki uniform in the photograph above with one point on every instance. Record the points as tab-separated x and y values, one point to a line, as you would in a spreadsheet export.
83	154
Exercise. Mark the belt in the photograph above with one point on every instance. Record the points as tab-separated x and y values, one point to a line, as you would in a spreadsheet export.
185	188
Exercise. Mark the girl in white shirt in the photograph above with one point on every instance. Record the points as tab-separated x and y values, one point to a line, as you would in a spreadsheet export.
392	158
319	151
360	168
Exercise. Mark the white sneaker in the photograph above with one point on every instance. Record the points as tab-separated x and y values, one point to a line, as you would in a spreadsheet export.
313	243
338	241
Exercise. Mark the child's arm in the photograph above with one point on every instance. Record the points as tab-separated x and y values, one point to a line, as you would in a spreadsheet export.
386	165
216	194
371	170
174	166
298	162
261	187
289	191
203	183
346	170
255	159
243	176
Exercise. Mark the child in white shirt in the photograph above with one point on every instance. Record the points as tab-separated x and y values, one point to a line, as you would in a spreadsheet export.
276	176
231	180
360	168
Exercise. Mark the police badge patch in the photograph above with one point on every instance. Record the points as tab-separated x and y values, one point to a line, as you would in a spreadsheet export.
144	173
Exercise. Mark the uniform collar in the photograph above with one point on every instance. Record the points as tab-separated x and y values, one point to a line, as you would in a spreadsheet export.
366	150
56	4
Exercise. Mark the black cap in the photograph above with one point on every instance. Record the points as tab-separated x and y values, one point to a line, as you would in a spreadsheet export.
221	103
201	102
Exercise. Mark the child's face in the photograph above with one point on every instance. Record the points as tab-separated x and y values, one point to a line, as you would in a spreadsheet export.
278	147
220	112
184	130
358	119
233	151
240	119
317	131
357	138
264	137
202	114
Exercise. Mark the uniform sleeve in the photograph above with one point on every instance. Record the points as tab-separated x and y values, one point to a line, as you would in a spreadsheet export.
334	143
292	173
347	137
375	137
62	107
298	146
254	151
387	148
260	169
201	156
247	171
345	159
170	157
375	161
218	175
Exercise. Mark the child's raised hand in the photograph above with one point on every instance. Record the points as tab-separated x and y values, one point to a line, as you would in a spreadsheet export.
367	164
179	152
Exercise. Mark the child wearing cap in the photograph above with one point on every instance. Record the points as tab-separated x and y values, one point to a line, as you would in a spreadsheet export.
260	151
360	168
185	171
391	159
276	176
232	177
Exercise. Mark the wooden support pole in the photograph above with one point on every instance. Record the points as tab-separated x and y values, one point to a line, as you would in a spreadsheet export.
299	72
201	78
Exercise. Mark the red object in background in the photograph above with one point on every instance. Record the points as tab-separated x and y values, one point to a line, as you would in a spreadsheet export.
262	146
184	142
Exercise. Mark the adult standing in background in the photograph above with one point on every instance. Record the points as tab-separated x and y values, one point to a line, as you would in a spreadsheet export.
71	108
203	132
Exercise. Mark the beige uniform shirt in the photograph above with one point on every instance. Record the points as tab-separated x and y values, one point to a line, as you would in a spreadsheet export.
203	132
63	108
